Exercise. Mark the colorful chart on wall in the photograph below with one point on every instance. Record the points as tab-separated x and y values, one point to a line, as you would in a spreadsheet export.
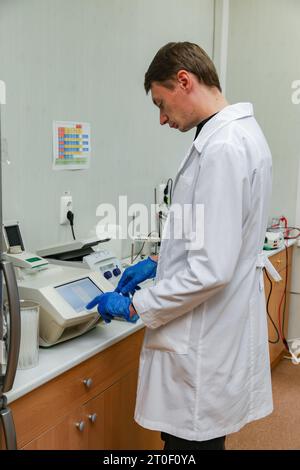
71	145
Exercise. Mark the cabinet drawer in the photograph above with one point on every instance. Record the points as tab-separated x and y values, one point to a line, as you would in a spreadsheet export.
66	435
42	408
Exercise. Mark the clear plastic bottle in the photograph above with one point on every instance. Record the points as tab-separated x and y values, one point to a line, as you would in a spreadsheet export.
29	347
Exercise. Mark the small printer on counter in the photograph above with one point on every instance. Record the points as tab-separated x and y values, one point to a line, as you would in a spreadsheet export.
273	240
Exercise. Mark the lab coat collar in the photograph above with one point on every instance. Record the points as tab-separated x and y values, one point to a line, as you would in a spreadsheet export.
225	116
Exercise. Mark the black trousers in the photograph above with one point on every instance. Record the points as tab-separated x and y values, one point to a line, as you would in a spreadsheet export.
176	443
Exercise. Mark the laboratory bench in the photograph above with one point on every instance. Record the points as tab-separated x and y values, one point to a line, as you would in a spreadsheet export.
82	393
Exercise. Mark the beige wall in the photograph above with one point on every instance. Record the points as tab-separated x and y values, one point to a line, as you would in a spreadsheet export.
85	60
263	61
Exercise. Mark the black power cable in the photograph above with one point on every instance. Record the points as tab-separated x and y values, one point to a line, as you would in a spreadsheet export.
168	192
270	318
70	217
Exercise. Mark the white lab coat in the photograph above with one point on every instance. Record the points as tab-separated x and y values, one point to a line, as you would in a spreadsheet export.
204	367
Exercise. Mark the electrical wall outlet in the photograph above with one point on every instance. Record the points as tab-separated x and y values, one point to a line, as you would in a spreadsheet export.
65	206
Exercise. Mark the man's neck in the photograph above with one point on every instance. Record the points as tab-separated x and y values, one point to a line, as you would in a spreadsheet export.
208	101
212	108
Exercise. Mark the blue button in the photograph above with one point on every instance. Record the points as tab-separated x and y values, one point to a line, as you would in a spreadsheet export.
117	272
107	274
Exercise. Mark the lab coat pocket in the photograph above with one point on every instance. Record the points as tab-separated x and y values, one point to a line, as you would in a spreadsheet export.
172	337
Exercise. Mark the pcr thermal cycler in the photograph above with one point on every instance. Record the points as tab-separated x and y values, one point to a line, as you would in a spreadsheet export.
61	291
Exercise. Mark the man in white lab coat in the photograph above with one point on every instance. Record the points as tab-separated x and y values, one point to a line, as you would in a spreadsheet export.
204	367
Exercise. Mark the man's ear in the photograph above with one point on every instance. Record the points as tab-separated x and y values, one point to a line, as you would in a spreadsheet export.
184	80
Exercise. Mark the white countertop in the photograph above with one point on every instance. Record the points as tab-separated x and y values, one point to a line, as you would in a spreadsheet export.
62	357
274	252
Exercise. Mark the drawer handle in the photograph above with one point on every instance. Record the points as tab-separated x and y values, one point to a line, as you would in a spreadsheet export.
88	382
80	426
93	417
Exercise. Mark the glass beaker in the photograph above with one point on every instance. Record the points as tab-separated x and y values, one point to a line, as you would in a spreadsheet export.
29	346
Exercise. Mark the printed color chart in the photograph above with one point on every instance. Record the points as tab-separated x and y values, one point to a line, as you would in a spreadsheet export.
71	145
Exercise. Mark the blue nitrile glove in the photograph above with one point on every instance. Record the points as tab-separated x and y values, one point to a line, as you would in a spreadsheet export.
135	274
112	304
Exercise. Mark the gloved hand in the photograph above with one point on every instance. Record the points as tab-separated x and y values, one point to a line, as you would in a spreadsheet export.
112	304
135	274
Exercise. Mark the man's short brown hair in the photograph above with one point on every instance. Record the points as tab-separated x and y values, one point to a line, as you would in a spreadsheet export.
176	56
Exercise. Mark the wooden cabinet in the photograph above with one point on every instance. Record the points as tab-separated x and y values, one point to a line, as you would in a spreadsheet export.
121	431
92	405
88	407
65	435
282	263
94	420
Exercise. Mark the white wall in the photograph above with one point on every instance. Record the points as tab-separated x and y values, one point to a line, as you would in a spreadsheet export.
263	61
85	60
220	42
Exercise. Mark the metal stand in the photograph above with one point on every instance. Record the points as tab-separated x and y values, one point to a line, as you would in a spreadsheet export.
7	426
